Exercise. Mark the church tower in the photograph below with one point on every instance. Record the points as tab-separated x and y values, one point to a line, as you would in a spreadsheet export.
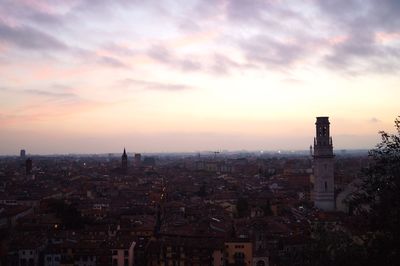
324	197
124	161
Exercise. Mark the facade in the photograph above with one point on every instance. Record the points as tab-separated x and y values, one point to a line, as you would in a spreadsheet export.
324	197
122	253
179	250
239	252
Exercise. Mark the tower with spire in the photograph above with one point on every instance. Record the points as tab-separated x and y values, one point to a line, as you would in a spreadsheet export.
324	197
124	161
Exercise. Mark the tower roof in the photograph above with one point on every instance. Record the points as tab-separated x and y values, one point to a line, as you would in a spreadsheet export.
322	118
124	154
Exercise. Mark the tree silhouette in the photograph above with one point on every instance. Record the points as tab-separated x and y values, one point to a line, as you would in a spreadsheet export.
378	200
377	206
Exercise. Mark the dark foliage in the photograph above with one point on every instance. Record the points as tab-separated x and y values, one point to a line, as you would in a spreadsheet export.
378	200
377	204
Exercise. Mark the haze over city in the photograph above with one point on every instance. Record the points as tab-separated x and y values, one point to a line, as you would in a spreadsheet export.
161	76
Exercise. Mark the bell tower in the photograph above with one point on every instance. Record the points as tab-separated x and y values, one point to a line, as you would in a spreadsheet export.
324	197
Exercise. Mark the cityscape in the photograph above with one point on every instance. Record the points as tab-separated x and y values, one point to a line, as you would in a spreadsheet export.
179	209
199	133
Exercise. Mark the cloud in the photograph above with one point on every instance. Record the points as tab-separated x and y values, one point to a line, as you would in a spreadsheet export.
60	87
118	49
278	35
272	34
362	21
163	55
112	62
45	104
29	38
361	53
49	93
276	54
223	65
374	120
149	85
44	93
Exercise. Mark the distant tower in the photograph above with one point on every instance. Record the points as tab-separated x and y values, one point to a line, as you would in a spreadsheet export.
124	161
22	154
137	160
324	197
28	166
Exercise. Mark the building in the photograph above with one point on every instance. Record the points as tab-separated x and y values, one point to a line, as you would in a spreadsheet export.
124	161
323	163
26	251
122	252
22	154
149	161
138	160
239	251
28	166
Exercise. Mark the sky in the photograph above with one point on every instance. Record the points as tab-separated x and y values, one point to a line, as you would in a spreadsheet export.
85	76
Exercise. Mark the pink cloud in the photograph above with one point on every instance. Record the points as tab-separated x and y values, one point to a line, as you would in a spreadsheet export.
385	37
52	73
338	39
49	111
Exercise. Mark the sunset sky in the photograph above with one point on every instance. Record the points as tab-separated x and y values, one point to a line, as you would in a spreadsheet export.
94	76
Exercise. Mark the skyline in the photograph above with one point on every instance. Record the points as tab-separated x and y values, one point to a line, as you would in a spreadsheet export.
256	147
195	75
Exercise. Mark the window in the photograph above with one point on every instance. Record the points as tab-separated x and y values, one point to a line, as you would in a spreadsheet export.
115	252
126	262
326	186
126	253
239	258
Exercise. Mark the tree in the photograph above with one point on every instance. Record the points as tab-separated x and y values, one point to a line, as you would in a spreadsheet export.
331	248
378	199
377	203
379	195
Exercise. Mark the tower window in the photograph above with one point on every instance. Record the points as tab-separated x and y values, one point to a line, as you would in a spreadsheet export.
326	187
